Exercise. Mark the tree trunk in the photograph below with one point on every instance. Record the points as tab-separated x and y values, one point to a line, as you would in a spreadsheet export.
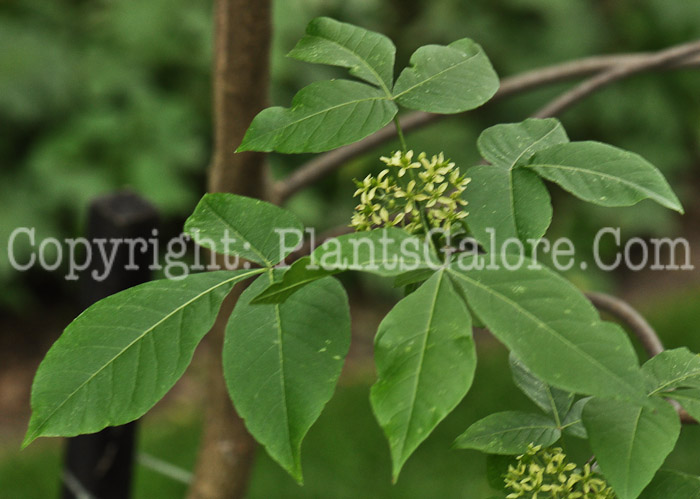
241	81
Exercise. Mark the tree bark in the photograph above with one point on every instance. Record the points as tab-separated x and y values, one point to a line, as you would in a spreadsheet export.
240	91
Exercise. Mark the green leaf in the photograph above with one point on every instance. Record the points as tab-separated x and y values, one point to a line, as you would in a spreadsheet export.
689	399
672	369
298	275
425	359
630	442
511	202
282	362
369	55
510	144
385	252
573	423
506	204
447	79
250	228
412	277
553	401
604	175
551	327
325	115
668	484
509	433
120	356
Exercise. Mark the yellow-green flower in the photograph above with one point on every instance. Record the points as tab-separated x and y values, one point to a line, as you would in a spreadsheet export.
545	474
431	198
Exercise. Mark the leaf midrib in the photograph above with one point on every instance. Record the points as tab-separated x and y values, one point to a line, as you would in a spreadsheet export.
264	296
382	83
520	428
679	379
439	73
420	363
283	378
631	447
133	342
529	148
238	233
578	169
545	327
313	115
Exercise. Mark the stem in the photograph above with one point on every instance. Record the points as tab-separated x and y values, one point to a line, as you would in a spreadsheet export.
399	133
623	311
426	226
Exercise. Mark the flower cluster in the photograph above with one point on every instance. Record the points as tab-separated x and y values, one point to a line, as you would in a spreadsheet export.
545	473
430	195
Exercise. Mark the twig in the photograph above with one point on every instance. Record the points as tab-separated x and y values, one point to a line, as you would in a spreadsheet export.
658	60
641	329
328	162
626	313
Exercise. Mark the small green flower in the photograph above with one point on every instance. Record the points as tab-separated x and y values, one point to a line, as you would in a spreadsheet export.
545	474
434	193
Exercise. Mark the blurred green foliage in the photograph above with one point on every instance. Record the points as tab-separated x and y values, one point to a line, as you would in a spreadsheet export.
96	96
100	95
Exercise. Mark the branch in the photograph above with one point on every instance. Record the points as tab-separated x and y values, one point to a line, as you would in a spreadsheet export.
623	311
326	163
659	60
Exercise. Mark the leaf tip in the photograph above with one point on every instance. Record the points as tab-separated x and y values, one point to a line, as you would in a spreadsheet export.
396	467
296	472
28	438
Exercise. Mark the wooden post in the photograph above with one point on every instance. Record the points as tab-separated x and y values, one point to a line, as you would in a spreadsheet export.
100	465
